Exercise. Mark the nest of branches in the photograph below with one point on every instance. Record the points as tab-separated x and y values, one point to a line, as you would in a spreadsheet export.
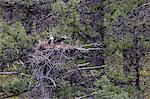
52	66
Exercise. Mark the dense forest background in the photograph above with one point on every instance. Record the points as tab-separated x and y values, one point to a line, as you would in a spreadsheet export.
105	54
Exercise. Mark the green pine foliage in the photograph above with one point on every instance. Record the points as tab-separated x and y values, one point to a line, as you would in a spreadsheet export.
68	17
118	8
107	90
14	42
16	87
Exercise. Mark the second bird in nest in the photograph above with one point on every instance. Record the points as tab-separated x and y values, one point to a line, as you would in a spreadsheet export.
53	42
56	40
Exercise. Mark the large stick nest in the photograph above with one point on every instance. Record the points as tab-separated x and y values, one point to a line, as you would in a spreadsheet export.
53	64
50	64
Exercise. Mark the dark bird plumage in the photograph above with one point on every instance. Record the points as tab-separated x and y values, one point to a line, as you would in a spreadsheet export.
51	43
58	40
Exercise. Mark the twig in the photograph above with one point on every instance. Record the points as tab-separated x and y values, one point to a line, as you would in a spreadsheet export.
92	44
87	49
91	68
51	80
22	63
80	65
9	73
94	93
143	5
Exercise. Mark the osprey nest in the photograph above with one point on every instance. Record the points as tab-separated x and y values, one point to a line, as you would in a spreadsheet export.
52	64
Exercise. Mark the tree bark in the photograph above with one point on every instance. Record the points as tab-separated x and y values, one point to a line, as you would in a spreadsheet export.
47	93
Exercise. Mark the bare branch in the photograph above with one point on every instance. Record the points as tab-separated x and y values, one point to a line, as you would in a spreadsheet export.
91	68
51	80
94	93
9	73
92	44
80	65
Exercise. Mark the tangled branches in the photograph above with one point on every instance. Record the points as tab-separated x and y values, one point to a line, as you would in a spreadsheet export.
54	65
48	65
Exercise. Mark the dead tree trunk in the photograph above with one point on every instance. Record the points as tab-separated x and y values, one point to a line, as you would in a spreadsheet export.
47	93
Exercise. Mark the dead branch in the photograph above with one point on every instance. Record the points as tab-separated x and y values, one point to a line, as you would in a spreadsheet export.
9	73
51	80
85	64
91	44
88	49
91	68
82	97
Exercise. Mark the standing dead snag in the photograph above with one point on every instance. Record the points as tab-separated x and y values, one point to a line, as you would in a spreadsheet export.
51	65
48	62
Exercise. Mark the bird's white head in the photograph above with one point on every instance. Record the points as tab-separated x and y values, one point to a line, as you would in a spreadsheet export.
64	36
52	38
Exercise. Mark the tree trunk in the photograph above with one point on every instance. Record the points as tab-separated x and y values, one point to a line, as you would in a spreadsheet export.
47	93
126	62
131	60
137	65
